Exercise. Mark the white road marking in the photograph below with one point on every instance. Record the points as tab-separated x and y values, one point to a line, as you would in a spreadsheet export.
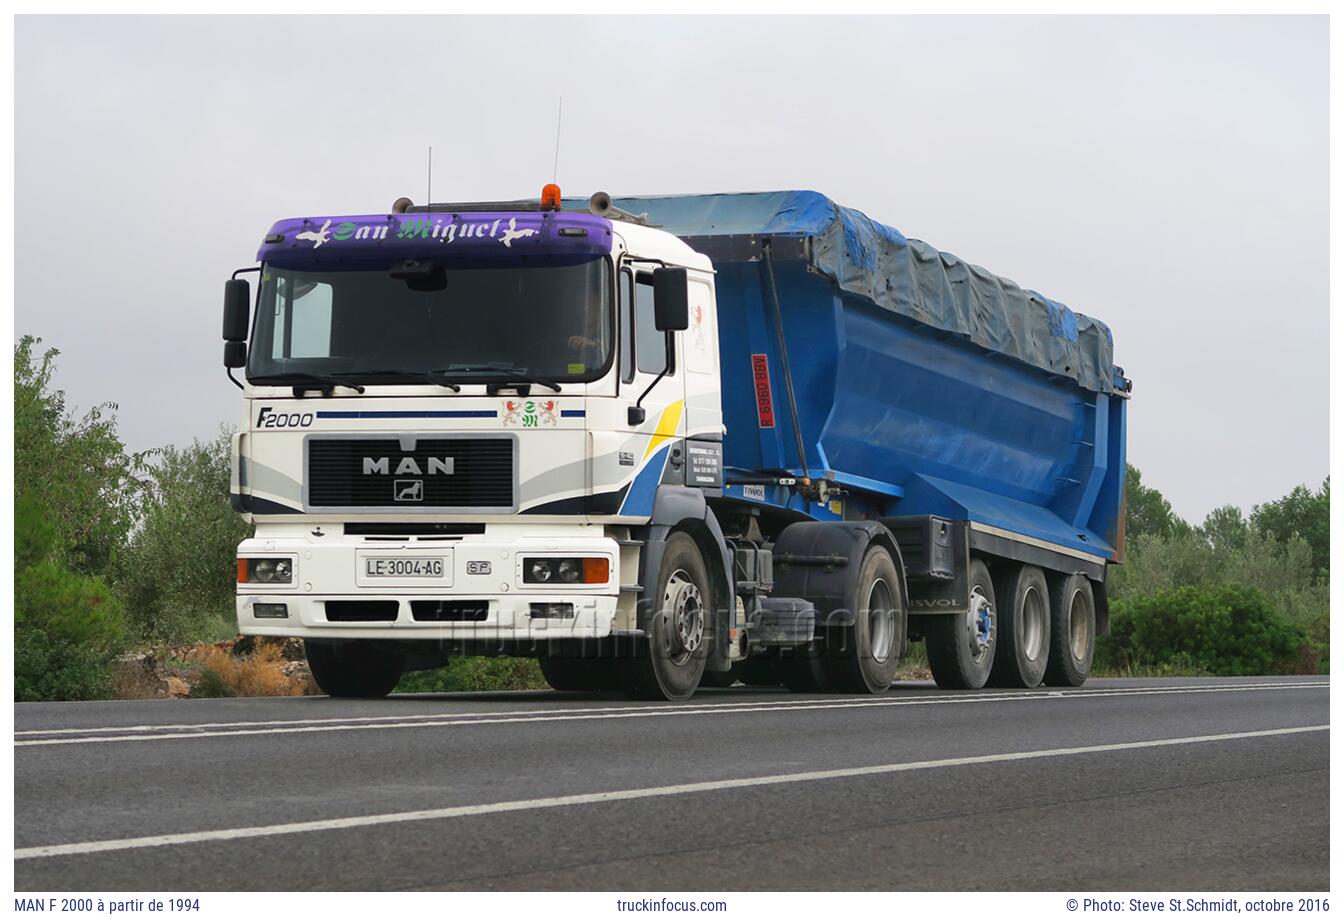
643	712
829	700
621	795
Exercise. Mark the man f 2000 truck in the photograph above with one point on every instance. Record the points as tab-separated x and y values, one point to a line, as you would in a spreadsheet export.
661	441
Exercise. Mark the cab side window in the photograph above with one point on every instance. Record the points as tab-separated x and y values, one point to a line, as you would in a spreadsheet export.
627	324
650	344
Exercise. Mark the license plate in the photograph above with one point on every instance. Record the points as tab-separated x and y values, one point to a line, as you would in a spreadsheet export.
403	566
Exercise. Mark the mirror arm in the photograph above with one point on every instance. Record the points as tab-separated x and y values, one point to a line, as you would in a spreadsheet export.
635	414
229	371
234	276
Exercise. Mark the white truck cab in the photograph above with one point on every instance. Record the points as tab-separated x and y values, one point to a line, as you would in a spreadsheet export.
453	419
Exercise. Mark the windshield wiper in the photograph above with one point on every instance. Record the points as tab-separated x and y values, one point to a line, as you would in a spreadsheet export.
326	384
428	376
514	377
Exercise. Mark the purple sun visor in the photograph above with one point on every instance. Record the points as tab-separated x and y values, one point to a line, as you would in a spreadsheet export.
551	236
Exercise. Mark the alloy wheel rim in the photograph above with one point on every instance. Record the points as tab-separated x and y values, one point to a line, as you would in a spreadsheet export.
1033	623
1078	625
684	610
881	621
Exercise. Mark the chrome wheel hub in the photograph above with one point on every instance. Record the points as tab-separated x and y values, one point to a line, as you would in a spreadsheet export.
684	610
979	625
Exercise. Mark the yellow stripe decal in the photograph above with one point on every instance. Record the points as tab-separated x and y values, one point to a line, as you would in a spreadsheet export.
667	426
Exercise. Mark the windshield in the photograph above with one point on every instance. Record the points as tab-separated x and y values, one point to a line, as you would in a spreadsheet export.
458	322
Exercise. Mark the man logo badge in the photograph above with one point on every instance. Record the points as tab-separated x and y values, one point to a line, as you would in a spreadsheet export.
408	490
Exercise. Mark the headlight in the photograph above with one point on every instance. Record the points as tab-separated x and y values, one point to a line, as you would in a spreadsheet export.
270	571
568	570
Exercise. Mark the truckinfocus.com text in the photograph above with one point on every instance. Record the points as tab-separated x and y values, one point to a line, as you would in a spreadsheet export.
655	905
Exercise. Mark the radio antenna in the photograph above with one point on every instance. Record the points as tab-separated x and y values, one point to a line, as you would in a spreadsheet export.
555	167
429	177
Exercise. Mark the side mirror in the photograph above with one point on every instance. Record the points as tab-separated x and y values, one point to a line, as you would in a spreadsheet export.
671	310
235	354
237	311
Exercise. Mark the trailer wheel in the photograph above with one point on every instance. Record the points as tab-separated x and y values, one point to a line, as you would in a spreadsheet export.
354	669
1024	628
1073	631
863	658
680	627
961	647
580	674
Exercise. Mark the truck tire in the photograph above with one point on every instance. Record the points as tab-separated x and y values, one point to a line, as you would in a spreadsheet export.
354	669
1024	627
863	657
961	646
680	627
584	675
1073	631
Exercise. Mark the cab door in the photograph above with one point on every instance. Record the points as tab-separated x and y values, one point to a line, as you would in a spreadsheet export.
704	407
654	449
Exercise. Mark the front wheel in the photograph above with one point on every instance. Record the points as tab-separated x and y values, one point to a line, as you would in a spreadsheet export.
679	627
354	669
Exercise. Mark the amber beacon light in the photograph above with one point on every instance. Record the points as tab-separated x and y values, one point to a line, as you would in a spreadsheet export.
550	197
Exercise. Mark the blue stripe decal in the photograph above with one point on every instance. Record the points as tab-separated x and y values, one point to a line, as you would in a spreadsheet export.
572	413
639	500
446	413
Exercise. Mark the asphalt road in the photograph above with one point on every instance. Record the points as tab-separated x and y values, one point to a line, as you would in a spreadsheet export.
1181	784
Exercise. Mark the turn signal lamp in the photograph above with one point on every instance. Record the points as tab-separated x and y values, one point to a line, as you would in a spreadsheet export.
550	197
595	571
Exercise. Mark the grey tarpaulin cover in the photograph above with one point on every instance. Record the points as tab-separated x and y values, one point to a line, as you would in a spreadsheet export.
906	276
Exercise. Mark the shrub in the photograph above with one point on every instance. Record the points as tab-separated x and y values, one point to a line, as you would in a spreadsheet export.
478	674
258	674
1223	630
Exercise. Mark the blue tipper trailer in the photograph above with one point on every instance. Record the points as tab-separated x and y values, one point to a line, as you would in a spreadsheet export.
869	376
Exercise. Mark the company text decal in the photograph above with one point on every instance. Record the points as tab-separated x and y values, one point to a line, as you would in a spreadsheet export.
506	232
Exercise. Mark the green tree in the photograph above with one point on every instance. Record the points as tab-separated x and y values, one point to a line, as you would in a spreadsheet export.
1147	511
77	471
177	574
68	628
1225	528
1301	513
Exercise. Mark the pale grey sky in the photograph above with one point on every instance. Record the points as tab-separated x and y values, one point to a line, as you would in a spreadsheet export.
1167	175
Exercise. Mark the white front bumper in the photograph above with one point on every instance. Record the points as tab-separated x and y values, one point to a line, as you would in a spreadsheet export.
485	568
